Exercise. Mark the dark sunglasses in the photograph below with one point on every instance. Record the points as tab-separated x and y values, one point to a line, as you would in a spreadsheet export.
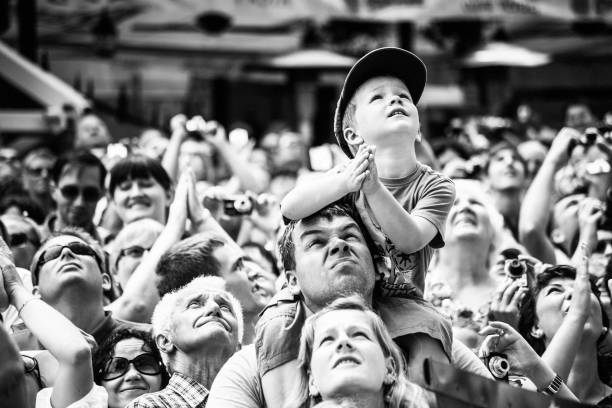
21	238
117	366
71	193
76	248
30	365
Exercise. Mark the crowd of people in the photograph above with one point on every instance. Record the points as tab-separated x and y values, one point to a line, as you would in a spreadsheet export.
206	269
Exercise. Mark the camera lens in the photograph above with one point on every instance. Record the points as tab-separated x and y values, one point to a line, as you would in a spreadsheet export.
499	366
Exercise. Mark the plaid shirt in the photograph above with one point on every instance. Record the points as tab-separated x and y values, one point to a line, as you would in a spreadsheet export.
181	392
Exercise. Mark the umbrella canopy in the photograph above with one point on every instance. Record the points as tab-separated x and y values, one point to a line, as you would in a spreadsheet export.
310	59
504	54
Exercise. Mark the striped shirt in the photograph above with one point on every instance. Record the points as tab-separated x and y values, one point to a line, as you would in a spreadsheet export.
181	392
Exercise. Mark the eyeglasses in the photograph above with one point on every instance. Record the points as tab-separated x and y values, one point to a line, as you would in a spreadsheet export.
30	365
135	251
38	171
71	192
76	248
117	366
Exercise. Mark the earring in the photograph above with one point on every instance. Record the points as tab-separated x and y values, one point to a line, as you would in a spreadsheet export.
536	332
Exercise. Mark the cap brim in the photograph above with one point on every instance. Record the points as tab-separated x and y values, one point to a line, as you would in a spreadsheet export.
389	61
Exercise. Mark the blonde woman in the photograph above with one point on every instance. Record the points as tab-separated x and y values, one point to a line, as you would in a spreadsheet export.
347	357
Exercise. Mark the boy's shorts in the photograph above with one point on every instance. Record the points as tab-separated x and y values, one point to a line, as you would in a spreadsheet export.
404	316
278	331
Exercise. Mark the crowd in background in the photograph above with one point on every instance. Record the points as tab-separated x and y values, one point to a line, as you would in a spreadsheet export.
114	247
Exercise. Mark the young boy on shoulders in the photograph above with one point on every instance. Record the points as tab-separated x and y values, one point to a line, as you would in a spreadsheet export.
403	203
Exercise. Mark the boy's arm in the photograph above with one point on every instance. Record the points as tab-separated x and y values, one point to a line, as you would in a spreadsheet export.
409	233
310	196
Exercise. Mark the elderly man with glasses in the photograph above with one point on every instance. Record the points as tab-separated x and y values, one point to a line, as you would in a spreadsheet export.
197	329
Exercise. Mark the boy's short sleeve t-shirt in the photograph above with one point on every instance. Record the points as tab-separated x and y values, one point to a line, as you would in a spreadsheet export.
424	193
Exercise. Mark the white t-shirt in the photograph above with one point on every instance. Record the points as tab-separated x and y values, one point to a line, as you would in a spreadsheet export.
96	398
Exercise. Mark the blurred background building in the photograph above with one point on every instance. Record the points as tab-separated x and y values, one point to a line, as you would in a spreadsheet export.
257	63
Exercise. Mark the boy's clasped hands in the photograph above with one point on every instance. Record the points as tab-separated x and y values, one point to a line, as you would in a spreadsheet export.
360	172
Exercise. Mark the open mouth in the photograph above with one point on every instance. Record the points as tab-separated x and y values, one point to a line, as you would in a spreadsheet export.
346	361
141	202
398	112
466	217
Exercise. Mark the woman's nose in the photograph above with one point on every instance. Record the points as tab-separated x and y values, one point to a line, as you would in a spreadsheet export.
132	372
344	342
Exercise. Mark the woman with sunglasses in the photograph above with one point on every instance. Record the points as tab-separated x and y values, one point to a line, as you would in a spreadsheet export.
68	345
128	365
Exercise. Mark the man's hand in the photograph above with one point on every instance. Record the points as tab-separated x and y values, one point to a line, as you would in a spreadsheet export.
355	171
215	134
560	148
371	184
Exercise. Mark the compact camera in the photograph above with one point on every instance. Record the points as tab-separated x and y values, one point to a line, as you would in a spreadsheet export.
498	366
516	268
238	205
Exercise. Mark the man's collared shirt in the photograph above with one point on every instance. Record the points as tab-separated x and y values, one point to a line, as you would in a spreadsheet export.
181	392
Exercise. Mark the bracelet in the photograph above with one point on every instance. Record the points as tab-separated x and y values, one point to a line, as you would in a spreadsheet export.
25	303
603	335
553	387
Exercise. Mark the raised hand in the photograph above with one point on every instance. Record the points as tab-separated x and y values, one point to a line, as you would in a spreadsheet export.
581	296
503	338
506	302
371	183
355	171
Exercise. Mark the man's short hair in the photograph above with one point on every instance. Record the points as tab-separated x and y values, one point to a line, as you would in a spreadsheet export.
164	311
188	259
79	159
341	208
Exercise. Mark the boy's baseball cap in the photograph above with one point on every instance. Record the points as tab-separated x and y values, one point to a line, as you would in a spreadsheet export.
387	61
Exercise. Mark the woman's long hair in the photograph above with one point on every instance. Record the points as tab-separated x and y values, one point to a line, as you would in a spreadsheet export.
401	394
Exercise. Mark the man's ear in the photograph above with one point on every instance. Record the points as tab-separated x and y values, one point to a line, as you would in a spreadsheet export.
419	136
36	291
294	286
107	282
313	390
163	343
351	137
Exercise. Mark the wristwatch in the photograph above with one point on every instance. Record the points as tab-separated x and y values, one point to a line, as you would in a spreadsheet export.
553	387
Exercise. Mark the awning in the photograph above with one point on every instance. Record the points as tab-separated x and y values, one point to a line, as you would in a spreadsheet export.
45	89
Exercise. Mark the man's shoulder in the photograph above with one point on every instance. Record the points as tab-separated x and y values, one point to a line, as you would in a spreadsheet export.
283	302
